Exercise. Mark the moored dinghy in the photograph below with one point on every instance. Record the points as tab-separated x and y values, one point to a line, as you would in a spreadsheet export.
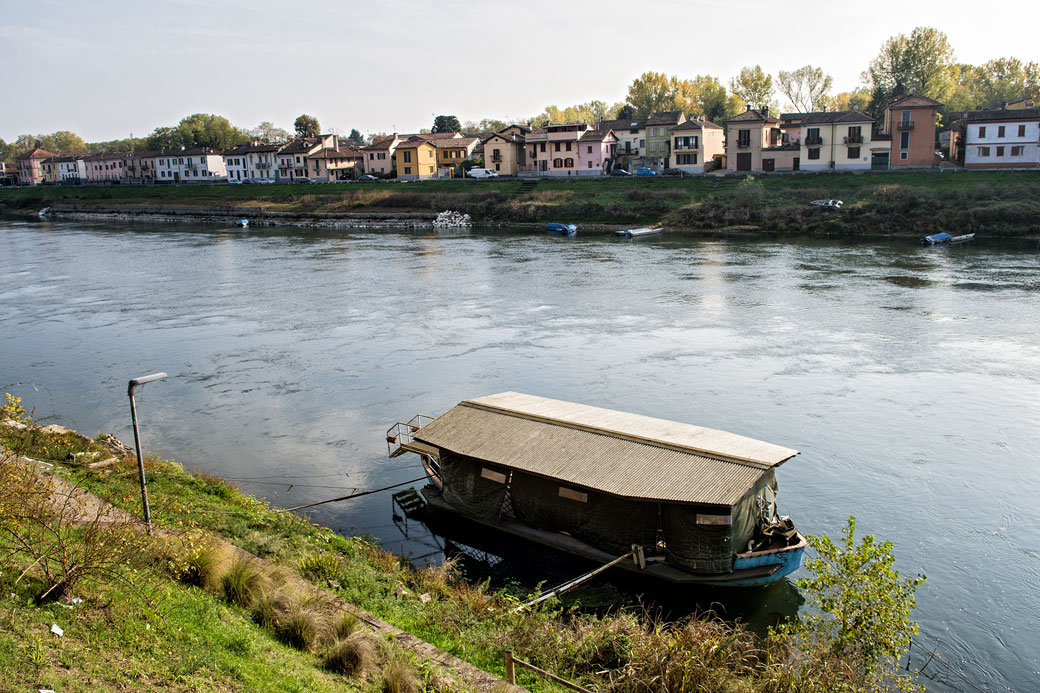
554	229
946	238
697	502
635	233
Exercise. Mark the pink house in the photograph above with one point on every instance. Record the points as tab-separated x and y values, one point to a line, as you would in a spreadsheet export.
572	149
105	167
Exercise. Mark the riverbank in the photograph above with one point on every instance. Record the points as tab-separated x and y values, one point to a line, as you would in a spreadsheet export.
215	600
912	204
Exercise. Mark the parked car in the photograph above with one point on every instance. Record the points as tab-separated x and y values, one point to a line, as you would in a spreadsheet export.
620	172
248	181
482	173
304	180
673	172
367	178
265	181
645	172
232	181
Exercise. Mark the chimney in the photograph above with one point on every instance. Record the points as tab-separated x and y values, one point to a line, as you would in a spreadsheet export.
765	111
748	108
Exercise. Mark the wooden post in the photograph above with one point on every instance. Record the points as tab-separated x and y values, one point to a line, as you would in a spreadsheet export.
510	670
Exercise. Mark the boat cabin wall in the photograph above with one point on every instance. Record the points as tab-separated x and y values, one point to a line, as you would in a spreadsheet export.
609	523
704	539
475	487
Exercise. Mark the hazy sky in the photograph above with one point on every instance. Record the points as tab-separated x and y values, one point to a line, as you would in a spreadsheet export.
106	68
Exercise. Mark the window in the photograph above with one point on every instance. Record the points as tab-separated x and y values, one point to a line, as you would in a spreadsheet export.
568	163
905	117
1000	151
982	131
903	156
590	149
743	138
904	140
642	143
542	148
498	167
853	152
983	151
1018	150
407	157
1000	131
814	154
557	146
407	170
568	146
557	163
590	164
854	133
1021	130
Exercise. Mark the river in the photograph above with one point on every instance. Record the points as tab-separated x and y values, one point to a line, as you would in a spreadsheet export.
908	377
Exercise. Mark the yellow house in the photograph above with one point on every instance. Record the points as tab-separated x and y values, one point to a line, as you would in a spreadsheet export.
504	151
415	159
453	151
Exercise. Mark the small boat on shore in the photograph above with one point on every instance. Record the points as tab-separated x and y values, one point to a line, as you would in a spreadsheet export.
692	505
242	223
946	239
643	231
554	229
835	204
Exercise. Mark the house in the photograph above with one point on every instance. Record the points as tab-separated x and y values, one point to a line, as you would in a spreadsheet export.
572	149
747	134
910	124
658	140
1002	138
694	142
30	166
379	156
71	169
835	140
292	158
8	173
504	151
631	135
140	167
190	165
334	164
452	151
107	167
415	159
251	160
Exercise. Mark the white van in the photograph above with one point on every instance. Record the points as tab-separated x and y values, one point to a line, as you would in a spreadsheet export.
482	173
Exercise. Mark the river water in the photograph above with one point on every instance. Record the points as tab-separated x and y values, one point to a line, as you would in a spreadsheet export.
908	377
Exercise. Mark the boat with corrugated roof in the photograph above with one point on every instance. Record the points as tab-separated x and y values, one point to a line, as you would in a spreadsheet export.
556	229
690	504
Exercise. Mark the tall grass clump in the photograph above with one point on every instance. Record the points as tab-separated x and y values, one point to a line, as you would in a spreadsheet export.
241	582
352	656
399	677
298	627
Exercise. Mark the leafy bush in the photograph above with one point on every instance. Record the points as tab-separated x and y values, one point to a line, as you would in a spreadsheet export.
749	192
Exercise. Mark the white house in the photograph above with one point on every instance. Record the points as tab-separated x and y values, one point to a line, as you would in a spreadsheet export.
1000	138
694	142
187	165
252	160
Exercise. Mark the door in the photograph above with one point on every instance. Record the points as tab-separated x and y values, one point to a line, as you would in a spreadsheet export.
796	164
744	161
879	161
768	164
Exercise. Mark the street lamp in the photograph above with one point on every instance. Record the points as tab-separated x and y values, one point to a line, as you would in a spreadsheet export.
137	440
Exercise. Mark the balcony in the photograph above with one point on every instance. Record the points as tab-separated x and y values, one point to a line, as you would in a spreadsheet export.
813	141
496	158
854	139
905	125
743	144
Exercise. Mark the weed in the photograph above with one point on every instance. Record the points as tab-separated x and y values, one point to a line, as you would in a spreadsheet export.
241	583
398	677
346	625
298	627
323	566
352	656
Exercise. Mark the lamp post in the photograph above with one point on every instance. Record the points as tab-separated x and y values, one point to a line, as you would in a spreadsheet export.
137	440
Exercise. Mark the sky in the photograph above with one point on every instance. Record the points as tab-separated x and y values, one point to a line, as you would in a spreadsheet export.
108	68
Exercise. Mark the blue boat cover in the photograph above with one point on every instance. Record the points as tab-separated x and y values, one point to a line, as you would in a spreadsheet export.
938	237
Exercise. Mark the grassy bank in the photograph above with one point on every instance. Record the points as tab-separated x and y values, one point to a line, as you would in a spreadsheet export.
996	203
173	612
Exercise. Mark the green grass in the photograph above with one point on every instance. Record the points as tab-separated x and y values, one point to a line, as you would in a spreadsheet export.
994	202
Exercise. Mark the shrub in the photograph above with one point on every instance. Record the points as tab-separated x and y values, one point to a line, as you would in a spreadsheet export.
749	192
323	566
353	656
398	677
298	627
241	583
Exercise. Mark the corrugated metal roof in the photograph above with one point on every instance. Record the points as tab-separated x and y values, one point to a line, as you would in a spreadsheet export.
610	451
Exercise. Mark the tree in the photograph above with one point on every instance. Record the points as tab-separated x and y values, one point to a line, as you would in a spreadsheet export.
651	92
163	137
857	100
5	151
923	61
355	136
1003	80
715	103
62	142
863	605
753	86
626	112
269	132
306	126
805	88
446	123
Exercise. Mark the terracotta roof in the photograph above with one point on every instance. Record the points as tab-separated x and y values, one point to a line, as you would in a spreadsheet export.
301	145
145	154
623	124
107	156
344	152
440	135
460	143
37	153
511	139
381	143
753	116
522	127
666	118
1002	114
414	141
596	135
836	117
914	101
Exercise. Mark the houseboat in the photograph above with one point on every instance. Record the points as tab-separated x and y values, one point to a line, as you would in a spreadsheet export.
694	505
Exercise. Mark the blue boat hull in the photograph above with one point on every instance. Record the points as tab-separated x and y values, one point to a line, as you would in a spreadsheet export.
554	229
